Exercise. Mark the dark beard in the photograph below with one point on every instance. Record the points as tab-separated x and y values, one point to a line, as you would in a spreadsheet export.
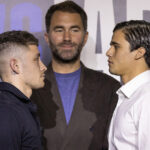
60	59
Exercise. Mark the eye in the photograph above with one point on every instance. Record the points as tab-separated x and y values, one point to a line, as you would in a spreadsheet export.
75	30
58	30
116	47
36	59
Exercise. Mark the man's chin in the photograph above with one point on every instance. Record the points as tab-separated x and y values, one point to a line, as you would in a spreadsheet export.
66	60
113	72
42	85
39	86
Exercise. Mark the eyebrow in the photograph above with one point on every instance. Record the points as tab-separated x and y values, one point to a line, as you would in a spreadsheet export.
114	43
56	27
59	26
75	26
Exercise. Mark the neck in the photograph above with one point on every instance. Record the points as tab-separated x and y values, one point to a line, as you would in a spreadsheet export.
132	74
24	89
27	92
65	67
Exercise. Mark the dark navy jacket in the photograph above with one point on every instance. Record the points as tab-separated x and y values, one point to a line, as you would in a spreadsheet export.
19	127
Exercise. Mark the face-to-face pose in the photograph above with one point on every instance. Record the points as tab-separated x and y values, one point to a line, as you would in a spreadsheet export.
129	57
20	62
21	70
31	63
128	54
121	59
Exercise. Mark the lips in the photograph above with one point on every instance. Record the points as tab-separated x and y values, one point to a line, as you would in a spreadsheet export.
66	46
110	62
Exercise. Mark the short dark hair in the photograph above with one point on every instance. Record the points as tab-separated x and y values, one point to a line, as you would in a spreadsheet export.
67	6
137	33
21	38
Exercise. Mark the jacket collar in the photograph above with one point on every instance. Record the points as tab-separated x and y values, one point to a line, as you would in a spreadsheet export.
50	70
4	86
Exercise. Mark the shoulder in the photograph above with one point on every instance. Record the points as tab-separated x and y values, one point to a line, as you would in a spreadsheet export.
11	122
10	131
143	94
98	77
9	110
98	90
12	109
17	125
141	102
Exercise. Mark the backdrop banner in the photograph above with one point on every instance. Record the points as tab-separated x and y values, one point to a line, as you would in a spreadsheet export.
29	15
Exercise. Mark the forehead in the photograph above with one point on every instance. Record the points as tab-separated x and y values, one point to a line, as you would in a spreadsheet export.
33	49
119	37
66	18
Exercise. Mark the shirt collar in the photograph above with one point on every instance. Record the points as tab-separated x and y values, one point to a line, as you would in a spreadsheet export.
130	87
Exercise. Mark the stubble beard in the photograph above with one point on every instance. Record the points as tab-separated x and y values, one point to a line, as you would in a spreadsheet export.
58	54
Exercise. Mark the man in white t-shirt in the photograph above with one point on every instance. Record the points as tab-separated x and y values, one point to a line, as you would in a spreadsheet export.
129	57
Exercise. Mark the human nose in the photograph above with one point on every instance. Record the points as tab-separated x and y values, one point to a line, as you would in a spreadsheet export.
109	52
42	66
67	36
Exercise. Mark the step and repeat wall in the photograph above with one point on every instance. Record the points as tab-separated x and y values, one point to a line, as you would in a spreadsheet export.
102	16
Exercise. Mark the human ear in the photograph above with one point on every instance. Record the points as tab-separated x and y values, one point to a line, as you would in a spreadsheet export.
46	38
14	65
86	37
140	52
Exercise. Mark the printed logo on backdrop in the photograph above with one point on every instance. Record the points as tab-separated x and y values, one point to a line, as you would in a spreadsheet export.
102	16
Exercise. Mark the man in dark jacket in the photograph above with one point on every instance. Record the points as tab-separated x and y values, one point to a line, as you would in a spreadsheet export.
76	103
21	70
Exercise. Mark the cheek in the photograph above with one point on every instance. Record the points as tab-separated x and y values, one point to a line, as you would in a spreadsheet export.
56	38
123	61
119	56
78	38
31	67
36	67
